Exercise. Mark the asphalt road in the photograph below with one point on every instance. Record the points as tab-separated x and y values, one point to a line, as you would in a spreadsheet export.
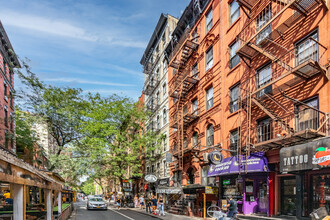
112	214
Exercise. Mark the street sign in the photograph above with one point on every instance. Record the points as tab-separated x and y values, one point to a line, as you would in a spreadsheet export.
169	158
150	178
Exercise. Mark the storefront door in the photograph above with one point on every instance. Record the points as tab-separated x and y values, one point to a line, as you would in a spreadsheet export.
288	195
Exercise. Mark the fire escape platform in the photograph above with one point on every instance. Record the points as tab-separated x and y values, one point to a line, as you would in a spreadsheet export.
291	139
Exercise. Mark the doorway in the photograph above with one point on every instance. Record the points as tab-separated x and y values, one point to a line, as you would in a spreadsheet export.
288	195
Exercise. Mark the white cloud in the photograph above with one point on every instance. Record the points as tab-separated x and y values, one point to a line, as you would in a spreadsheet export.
63	28
82	81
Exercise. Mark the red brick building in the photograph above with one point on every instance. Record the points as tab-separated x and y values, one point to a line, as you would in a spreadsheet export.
250	79
8	61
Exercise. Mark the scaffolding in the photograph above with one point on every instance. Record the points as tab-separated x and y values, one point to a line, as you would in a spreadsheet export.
272	87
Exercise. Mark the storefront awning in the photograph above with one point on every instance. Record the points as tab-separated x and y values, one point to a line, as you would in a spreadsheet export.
311	155
254	163
192	189
169	190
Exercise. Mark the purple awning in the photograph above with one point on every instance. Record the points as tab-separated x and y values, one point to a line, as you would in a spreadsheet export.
256	162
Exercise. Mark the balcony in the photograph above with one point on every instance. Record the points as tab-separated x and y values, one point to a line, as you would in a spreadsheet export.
190	114
307	124
153	105
150	85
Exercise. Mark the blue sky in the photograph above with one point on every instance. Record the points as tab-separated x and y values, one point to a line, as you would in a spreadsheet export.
95	45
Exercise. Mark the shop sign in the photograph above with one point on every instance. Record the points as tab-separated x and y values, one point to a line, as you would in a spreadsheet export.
169	190
164	182
256	162
311	155
215	157
127	185
211	190
168	158
226	182
150	178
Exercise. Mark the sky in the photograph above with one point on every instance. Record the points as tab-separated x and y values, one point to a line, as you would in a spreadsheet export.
95	45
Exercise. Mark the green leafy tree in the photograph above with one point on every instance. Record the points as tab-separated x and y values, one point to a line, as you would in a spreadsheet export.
114	138
88	187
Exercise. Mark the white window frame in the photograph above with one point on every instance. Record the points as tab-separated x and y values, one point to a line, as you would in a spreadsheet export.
209	98
209	20
232	54
234	13
209	58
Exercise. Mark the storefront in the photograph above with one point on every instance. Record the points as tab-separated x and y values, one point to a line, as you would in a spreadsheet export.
306	187
246	180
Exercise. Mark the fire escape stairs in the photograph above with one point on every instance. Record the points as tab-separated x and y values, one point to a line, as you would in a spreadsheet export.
273	115
270	56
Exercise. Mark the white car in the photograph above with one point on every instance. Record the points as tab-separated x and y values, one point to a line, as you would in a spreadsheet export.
96	203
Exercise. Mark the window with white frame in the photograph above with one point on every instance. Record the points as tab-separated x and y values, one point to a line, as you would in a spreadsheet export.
164	116
261	21
158	98
307	49
165	168
158	122
234	140
209	20
209	98
264	76
234	12
209	58
209	135
234	95
164	89
194	70
195	139
234	59
165	66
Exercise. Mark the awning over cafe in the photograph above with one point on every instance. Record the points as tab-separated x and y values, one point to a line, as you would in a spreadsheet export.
311	155
256	162
169	190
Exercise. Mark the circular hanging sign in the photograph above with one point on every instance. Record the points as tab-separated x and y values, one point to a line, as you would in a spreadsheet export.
215	157
150	178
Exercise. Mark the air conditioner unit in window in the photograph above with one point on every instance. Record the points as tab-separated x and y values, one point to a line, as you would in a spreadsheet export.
206	157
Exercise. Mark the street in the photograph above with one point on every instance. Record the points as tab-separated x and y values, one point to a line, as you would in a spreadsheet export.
113	214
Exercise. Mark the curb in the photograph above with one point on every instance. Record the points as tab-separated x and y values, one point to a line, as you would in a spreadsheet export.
144	213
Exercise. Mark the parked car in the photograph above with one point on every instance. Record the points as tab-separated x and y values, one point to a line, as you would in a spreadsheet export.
96	203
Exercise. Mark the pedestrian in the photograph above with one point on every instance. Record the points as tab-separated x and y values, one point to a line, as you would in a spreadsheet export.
232	207
141	202
118	202
148	204
154	205
136	201
161	205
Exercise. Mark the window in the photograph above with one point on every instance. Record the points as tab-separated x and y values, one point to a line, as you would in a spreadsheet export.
209	135
234	138
6	139
11	99
234	95
307	49
6	116
12	143
164	39
158	98
209	58
264	76
174	100
165	168
152	168
5	90
209	98
195	140
157	49
174	71
307	118
185	142
261	20
164	89
234	59
209	20
234	12
165	142
158	169
164	116
165	66
194	70
264	130
158	122
11	122
205	181
195	106
148	169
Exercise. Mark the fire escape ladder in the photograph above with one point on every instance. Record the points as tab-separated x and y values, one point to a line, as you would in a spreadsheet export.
273	115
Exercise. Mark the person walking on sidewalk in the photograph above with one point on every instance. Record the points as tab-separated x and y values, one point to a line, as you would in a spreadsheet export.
136	201
141	202
161	205
118	202
148	205
154	205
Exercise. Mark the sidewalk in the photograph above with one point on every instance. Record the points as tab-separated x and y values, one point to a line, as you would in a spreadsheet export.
168	216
